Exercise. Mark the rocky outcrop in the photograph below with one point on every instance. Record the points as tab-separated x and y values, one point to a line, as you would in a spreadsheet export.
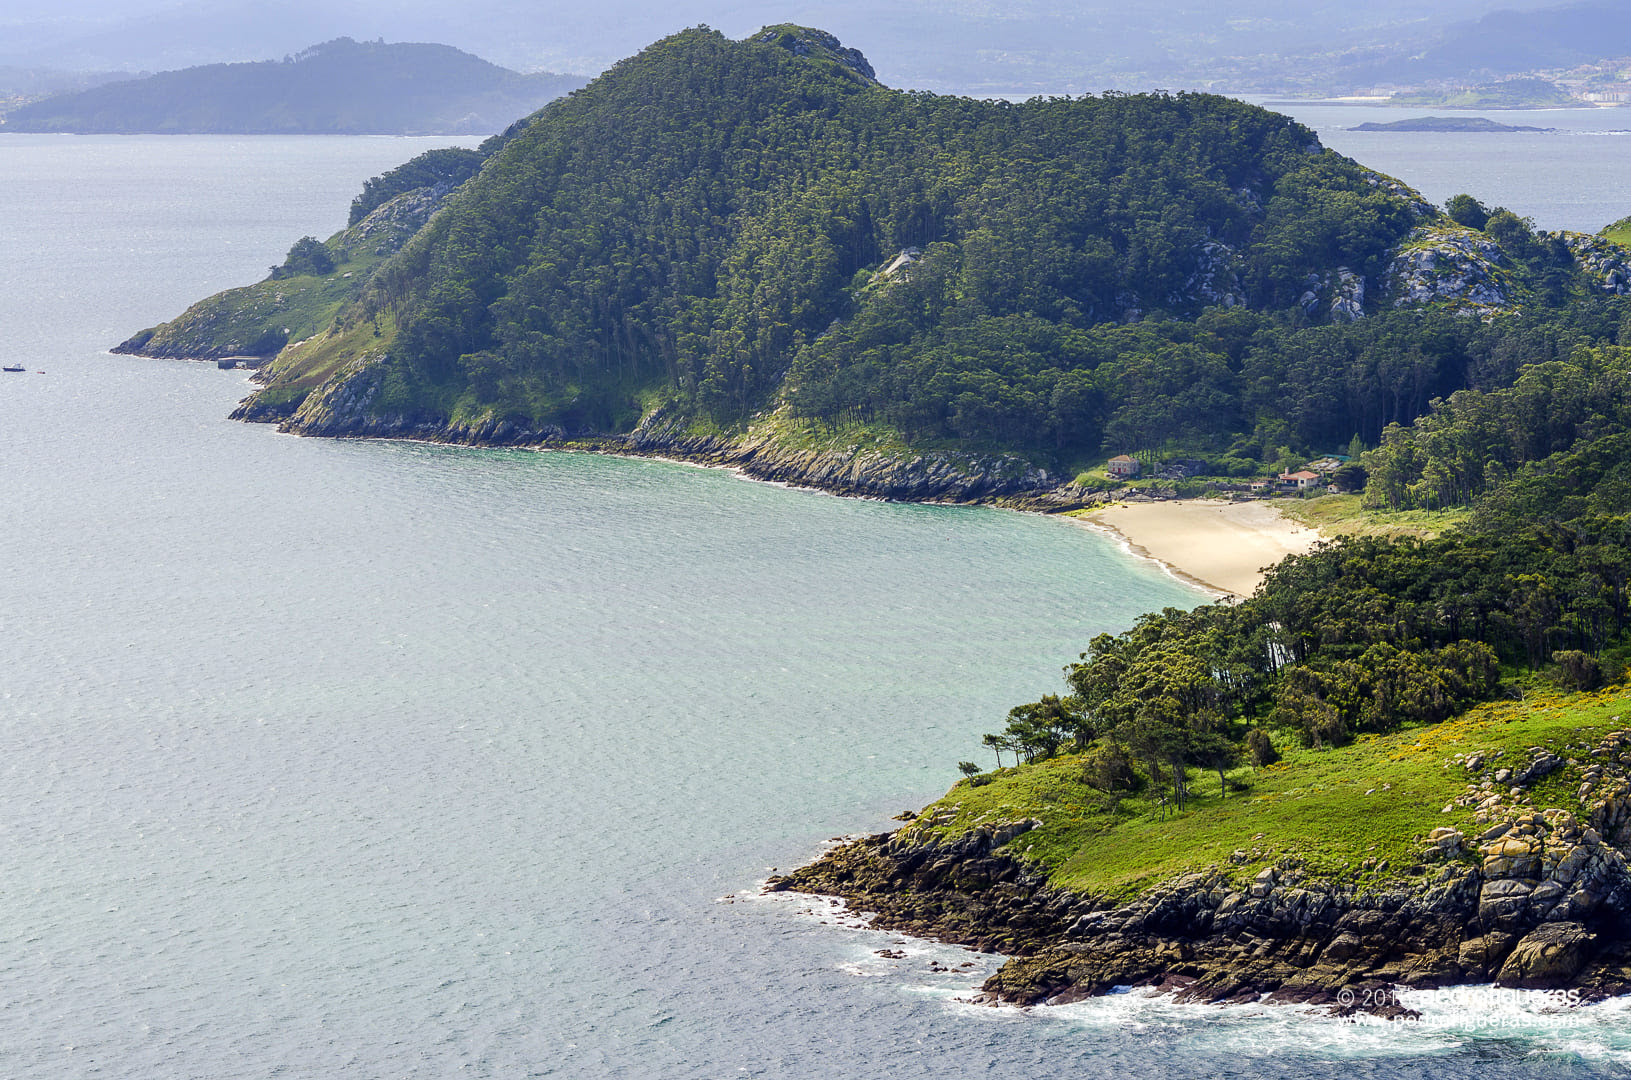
392	223
1216	279
1537	901
1339	294
346	407
1449	265
803	41
1420	207
1605	263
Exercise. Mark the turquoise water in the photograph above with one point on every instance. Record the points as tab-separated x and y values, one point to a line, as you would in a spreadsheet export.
389	760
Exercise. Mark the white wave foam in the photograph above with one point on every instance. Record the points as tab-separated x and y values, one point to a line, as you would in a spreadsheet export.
1537	1022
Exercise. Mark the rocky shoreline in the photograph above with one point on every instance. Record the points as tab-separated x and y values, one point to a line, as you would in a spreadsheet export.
1536	900
341	408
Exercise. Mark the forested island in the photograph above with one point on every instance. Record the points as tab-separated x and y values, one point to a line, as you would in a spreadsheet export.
1396	763
1475	124
341	87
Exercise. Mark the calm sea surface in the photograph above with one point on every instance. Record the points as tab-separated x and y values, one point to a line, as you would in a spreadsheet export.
1573	177
387	760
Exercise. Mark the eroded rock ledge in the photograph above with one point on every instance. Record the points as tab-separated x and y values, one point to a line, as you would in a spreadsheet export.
345	408
1538	901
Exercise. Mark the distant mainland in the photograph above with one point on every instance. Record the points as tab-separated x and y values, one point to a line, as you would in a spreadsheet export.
341	87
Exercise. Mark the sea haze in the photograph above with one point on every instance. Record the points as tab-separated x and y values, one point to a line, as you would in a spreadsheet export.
383	759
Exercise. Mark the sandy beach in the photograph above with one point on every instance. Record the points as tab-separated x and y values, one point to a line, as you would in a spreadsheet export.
1222	545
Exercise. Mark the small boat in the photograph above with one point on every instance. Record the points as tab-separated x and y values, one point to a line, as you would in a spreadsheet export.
12	367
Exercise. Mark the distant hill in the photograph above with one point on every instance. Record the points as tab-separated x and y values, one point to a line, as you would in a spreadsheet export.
1019	46
342	87
1507	42
1447	123
1526	93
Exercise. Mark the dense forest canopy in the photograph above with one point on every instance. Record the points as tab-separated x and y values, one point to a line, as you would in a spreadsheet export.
738	230
1362	635
711	216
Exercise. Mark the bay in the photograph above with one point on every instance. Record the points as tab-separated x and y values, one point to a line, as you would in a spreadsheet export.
383	759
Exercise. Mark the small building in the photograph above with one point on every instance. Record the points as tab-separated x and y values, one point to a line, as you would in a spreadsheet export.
1299	481
1123	467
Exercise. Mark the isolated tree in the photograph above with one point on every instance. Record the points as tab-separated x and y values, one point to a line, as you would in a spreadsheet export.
307	256
1217	753
1466	210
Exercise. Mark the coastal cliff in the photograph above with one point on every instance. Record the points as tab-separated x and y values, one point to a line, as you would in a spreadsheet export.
1526	898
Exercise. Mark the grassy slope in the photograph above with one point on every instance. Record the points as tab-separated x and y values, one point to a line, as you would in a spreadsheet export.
1334	809
231	322
1619	232
305	365
1513	94
1342	515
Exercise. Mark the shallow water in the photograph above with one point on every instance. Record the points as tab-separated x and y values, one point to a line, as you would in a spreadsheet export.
382	759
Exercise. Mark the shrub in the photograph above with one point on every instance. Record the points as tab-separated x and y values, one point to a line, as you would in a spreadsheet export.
307	256
1108	769
1577	670
1261	748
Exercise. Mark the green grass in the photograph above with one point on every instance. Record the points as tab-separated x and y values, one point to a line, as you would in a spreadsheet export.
1375	799
231	322
305	365
1619	232
1342	515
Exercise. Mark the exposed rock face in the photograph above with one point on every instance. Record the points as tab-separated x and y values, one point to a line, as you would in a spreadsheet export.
802	41
1547	907
1550	956
1603	261
1341	295
1216	279
1424	210
393	222
1451	265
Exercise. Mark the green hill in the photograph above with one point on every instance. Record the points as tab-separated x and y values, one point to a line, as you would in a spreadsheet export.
752	251
1523	93
720	223
341	87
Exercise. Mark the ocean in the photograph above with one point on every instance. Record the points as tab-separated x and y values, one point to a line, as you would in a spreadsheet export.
382	759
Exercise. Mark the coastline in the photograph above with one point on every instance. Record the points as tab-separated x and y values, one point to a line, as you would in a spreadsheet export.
1248	932
1223	547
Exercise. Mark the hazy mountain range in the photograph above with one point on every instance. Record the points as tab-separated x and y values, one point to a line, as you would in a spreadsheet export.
971	45
342	87
1506	42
